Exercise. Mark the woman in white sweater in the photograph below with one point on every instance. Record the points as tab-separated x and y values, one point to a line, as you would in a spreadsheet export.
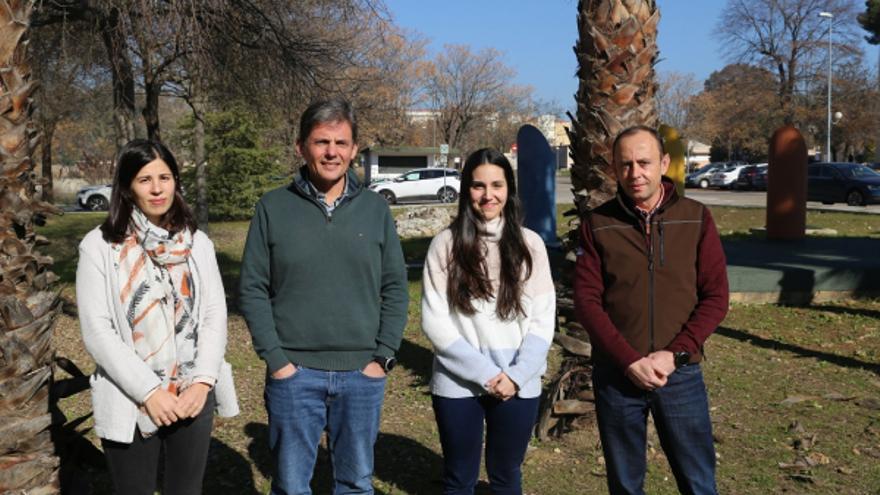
152	312
488	308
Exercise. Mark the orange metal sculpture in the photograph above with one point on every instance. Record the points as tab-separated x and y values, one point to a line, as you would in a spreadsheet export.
787	185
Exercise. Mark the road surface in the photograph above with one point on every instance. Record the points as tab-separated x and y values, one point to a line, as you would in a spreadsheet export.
722	198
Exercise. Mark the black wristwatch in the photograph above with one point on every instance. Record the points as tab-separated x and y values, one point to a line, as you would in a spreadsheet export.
387	363
681	358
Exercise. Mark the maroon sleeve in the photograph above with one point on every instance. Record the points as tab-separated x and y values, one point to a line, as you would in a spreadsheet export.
588	289
713	293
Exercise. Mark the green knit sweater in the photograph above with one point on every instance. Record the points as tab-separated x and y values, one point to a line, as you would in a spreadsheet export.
320	291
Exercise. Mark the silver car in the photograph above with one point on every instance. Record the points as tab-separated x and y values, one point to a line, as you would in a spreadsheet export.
700	177
724	179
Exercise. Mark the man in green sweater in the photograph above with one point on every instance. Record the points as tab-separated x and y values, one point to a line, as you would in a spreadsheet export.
324	293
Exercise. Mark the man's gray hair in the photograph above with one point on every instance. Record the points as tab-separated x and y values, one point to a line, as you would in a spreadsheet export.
324	112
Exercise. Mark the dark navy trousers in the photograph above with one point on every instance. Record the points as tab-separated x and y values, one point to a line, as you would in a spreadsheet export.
509	425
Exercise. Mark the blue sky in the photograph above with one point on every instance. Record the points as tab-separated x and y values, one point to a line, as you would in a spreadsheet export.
536	37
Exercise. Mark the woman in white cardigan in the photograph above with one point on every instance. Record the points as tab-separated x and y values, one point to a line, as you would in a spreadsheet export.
152	312
488	308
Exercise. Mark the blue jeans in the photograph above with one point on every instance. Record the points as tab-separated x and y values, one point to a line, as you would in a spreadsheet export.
681	415
345	403
509	426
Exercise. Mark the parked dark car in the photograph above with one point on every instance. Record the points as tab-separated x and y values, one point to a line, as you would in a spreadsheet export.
850	183
746	178
760	180
875	166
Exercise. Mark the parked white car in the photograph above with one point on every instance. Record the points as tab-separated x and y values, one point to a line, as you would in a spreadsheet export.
424	183
724	179
94	198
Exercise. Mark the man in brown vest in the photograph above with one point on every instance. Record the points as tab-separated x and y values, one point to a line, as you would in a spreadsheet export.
650	287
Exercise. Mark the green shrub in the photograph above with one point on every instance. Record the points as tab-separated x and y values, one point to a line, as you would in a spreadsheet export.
239	169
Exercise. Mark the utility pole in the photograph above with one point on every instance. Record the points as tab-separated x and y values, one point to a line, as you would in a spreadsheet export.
830	17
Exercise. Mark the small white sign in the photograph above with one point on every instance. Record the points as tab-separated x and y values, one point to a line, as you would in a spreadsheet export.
444	149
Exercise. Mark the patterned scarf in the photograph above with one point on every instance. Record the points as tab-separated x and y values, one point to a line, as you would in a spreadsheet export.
159	301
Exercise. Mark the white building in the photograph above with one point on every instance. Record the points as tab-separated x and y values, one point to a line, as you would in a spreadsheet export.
697	154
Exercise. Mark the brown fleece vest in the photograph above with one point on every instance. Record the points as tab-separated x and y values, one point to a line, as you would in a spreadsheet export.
650	279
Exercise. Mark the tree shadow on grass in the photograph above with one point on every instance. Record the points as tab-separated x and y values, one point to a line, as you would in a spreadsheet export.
230	271
399	461
870	313
846	362
258	448
416	359
407	465
228	471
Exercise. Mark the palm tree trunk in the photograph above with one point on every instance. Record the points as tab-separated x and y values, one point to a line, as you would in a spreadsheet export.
28	308
46	160
616	52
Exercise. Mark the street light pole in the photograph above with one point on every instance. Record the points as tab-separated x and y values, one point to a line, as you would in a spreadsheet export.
830	18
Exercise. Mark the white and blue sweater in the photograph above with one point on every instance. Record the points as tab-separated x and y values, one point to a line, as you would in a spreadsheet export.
471	350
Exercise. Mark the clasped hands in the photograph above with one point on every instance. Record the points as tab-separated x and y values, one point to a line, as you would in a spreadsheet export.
501	386
651	371
164	408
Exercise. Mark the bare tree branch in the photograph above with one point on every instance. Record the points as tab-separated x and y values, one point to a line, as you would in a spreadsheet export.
787	37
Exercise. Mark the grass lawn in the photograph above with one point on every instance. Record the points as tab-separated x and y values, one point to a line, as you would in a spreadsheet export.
795	392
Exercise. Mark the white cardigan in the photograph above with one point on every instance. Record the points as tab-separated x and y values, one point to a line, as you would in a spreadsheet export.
470	350
122	380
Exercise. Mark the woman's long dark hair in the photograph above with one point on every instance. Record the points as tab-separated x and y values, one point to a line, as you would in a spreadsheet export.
468	274
132	158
